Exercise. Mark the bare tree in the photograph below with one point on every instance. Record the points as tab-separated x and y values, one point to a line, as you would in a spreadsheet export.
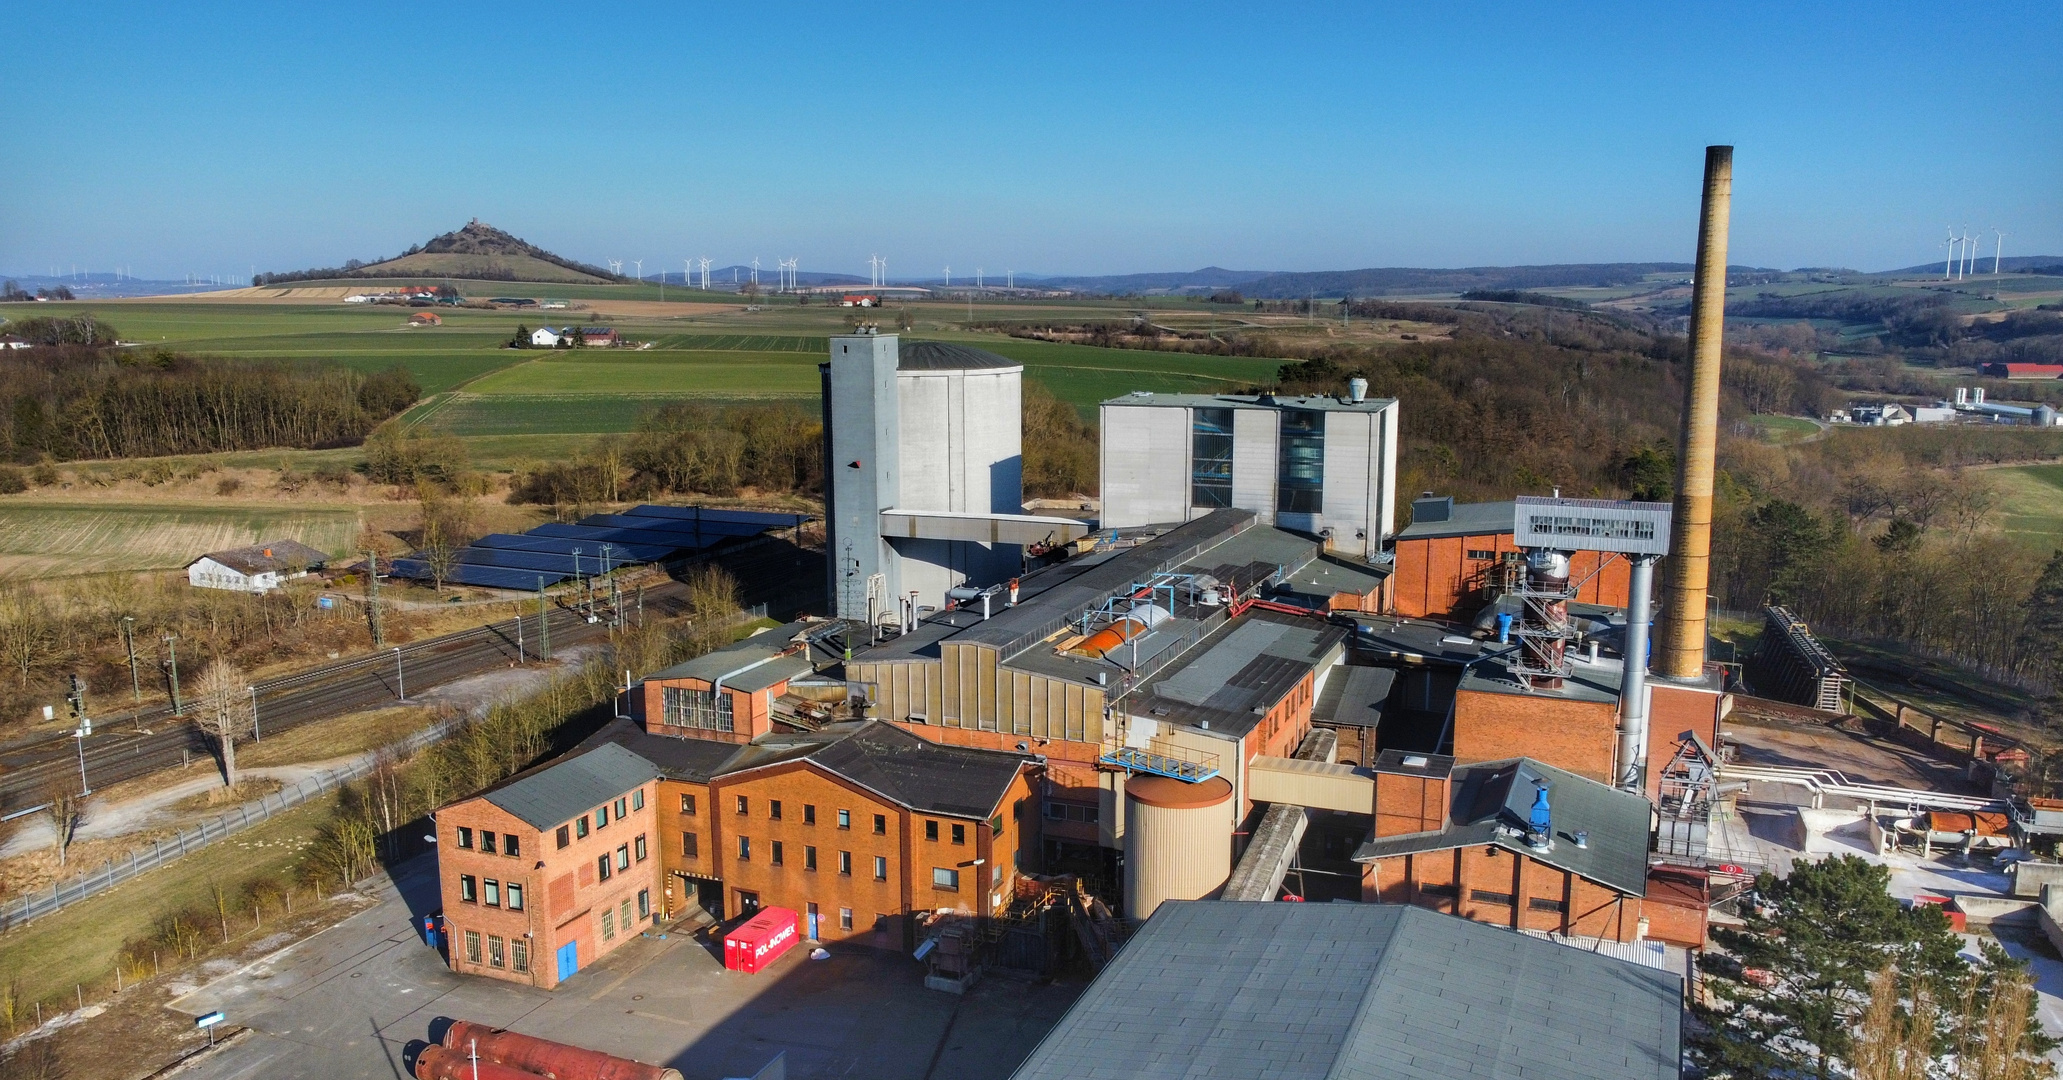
221	707
62	808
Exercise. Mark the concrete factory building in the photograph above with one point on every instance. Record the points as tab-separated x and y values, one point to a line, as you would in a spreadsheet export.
1326	466
924	476
1372	991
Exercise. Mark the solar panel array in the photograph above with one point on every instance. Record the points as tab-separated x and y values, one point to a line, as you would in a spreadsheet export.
554	552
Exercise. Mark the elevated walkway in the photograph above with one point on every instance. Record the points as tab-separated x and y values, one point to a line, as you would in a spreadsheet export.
1273	850
1316	783
1823	783
1019	529
1194	768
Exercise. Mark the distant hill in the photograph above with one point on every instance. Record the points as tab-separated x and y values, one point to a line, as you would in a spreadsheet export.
1210	277
2018	264
479	252
1378	281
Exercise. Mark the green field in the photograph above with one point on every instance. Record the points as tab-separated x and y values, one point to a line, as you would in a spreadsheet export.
2032	503
1783	429
44	539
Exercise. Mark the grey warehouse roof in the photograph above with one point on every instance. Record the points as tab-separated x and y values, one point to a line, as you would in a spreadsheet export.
904	768
1466	519
1251	401
711	666
1231	680
564	789
1354	696
945	356
693	760
1491	801
288	555
1359	992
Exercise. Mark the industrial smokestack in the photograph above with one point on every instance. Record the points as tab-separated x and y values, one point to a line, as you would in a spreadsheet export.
1689	570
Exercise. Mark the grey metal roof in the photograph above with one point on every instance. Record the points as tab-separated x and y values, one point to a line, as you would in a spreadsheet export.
946	356
677	758
1250	401
564	789
1468	519
923	775
761	646
288	555
1489	803
1233	677
1223	989
1354	696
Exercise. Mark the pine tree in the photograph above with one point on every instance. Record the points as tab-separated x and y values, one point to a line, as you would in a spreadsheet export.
2041	639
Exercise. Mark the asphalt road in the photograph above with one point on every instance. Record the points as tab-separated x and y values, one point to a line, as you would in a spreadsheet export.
140	744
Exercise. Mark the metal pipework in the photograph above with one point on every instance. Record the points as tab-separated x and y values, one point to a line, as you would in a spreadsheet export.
1682	652
1633	682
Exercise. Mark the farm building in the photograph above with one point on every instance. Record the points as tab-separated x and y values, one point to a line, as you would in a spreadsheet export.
426	318
259	568
859	301
599	337
545	337
2021	371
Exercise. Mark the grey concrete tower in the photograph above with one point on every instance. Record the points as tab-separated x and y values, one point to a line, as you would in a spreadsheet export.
861	466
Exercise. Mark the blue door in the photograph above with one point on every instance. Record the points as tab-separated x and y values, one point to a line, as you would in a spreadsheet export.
569	960
813	924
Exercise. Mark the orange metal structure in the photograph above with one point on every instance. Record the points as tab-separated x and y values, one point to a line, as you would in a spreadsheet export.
441	1063
551	1060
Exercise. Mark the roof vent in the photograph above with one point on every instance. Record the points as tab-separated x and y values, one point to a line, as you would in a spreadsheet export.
1582	839
1431	507
1415	761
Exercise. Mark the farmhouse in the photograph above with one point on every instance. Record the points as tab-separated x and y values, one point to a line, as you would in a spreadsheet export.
426	318
544	337
259	568
859	301
598	337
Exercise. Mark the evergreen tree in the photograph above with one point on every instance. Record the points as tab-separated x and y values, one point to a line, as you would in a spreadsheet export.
2041	639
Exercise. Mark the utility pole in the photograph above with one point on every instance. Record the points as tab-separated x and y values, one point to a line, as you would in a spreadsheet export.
172	661
77	700
519	640
544	625
372	597
129	640
400	688
256	735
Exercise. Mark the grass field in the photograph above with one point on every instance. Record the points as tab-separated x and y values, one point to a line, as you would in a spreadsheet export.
44	539
2032	503
1783	429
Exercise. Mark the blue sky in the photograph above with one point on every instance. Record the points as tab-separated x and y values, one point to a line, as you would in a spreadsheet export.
1048	138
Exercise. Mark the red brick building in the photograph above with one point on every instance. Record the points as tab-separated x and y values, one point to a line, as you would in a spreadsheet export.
1466	840
546	872
727	695
1452	557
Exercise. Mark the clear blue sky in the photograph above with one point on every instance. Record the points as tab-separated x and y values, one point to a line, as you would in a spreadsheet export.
1049	138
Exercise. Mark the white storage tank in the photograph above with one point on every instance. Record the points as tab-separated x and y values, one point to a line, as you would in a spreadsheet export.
1178	841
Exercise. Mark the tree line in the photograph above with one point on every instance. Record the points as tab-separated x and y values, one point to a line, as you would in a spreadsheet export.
71	403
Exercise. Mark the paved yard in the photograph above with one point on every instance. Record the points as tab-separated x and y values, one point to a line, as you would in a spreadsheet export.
356	1000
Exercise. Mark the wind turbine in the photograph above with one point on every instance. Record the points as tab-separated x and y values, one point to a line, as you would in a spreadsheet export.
1969	253
641	268
949	277
1946	263
755	269
1998	253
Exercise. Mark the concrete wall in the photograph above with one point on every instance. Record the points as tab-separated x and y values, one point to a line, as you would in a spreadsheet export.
961	440
1360	480
1254	464
862	407
1145	465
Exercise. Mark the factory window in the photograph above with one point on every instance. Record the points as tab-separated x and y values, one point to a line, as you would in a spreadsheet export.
880	824
580	827
1434	889
564	839
1485	896
637	799
640	842
809	857
1060	811
688	707
519	956
845	918
625	917
495	946
465	838
778	854
741	806
959	833
945	879
508	845
487	841
490	892
608	924
644	903
1542	903
602	867
1210	476
515	892
845	819
931	830
691	847
688	804
809	813
473	946
845	863
744	848
1300	462
623	857
1480	555
622	809
880	868
773	809
468	889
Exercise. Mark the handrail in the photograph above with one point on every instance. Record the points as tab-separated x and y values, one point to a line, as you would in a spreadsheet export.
1825	782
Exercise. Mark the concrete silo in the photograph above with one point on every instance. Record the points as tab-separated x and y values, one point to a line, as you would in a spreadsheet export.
1178	841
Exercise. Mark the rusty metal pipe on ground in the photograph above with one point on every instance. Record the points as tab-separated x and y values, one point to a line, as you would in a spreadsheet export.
1687	575
441	1063
551	1060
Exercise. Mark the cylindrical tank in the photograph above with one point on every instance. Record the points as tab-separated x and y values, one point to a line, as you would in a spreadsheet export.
1178	841
551	1060
1357	390
440	1063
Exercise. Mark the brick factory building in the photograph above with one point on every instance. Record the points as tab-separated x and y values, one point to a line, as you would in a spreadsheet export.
1454	557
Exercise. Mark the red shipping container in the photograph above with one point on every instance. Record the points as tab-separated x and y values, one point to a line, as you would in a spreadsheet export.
761	940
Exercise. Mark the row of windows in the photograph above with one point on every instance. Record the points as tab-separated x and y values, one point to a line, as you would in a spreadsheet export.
516	957
1299	460
609	915
775	812
1491	896
1060	811
507	843
490	892
578	829
624	854
690	708
777	855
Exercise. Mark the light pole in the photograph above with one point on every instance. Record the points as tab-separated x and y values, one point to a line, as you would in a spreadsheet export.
256	735
400	688
129	640
172	660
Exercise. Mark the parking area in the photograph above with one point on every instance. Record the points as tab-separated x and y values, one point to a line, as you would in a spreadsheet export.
355	1000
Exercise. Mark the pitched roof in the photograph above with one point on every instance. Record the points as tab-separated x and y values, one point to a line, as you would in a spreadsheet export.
1465	519
1491	801
923	775
693	760
765	646
1231	680
287	555
563	789
1360	991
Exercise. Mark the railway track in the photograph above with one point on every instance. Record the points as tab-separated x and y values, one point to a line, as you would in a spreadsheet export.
143	743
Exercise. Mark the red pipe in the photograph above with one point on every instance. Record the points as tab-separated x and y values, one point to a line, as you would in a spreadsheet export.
551	1060
438	1063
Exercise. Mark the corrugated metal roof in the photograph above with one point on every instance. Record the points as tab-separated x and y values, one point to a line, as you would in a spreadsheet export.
1355	696
1234	676
571	786
1468	519
764	645
289	555
946	356
1363	991
1250	401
